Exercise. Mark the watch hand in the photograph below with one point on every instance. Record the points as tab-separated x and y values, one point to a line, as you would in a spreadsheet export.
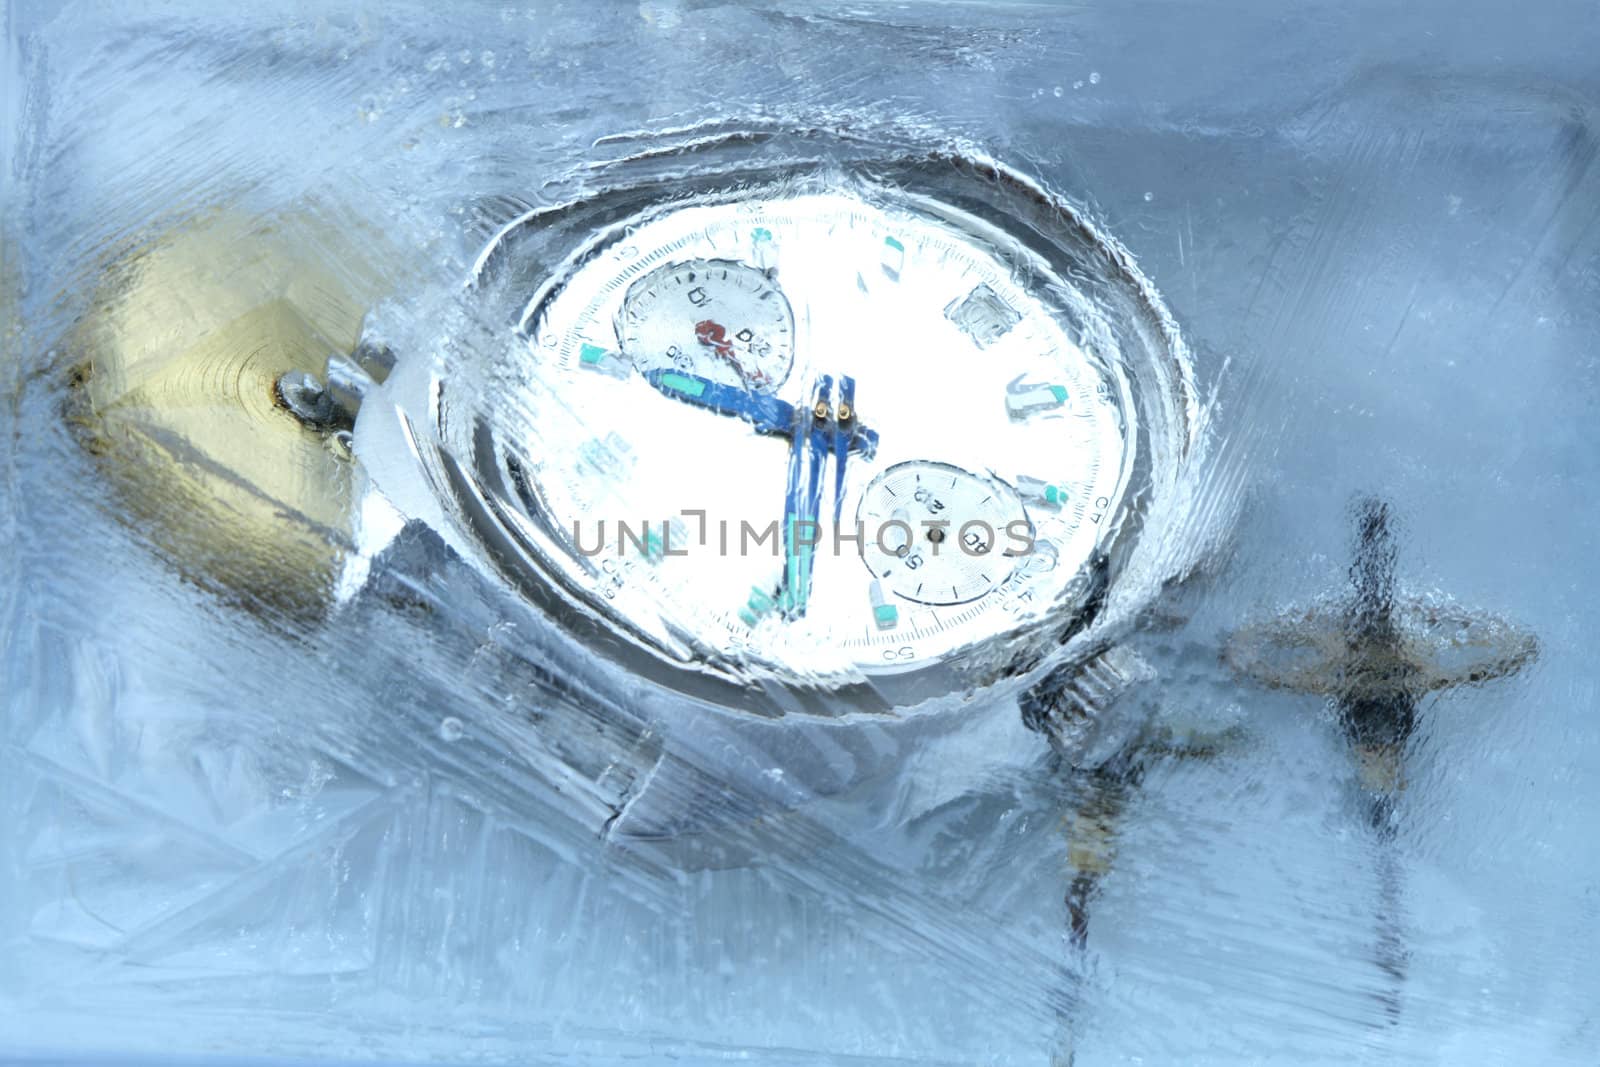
767	414
808	453
714	336
823	430
844	429
791	513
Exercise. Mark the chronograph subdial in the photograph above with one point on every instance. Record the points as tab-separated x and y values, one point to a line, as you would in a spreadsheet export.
717	319
937	534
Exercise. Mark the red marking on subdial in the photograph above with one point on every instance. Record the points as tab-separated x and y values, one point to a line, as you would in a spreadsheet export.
714	336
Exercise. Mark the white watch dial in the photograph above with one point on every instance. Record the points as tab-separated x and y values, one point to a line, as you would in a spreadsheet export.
941	535
698	445
720	319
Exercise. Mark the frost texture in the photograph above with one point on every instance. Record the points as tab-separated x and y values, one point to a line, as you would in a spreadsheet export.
229	827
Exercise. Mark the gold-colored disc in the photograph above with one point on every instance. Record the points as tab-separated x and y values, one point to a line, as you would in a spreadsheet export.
174	392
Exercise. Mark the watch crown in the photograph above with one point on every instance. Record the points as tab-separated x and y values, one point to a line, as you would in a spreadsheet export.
1071	705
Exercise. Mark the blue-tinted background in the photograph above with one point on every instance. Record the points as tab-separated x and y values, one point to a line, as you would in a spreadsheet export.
1379	225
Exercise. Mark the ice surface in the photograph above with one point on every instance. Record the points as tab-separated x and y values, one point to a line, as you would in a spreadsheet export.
236	830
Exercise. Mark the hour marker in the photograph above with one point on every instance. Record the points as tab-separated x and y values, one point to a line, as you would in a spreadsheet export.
1024	398
757	607
982	315
593	357
761	248
1040	492
609	457
885	614
894	258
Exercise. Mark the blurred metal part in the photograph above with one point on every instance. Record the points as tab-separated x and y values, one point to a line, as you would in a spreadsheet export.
1437	644
175	391
306	399
330	405
1372	646
443	643
1074	707
1375	652
374	359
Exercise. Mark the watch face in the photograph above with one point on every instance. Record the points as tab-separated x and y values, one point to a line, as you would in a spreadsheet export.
836	430
783	433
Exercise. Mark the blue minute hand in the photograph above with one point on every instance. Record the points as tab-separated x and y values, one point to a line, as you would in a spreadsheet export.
808	454
845	433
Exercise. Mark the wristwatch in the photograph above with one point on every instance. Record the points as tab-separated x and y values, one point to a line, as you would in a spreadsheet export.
757	450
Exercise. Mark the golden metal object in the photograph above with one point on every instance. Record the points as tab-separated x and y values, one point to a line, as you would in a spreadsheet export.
174	372
1091	837
1381	768
1437	644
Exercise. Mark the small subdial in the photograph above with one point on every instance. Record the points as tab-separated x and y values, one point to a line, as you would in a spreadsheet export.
936	534
713	318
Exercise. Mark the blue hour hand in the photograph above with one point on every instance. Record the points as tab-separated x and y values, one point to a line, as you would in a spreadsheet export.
766	414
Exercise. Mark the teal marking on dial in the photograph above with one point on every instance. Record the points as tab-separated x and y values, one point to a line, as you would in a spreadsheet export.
797	566
885	614
895	262
682	383
1053	496
669	541
591	354
760	233
759	605
609	458
1024	398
